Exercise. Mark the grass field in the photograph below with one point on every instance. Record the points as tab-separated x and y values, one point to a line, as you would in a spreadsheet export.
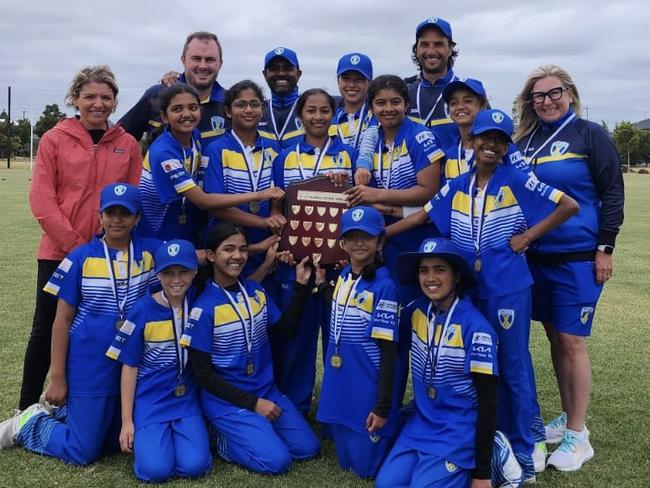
620	351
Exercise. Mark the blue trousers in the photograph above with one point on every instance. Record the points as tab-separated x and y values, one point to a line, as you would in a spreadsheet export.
406	467
360	453
79	433
179	447
510	316
252	441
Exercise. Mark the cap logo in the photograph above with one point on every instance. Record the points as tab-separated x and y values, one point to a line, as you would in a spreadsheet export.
497	117
432	20
430	246
279	51
173	249
119	190
357	215
355	60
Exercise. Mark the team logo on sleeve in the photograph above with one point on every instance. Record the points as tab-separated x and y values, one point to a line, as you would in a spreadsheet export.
173	249
120	190
196	312
357	215
354	60
387	306
497	117
585	313
218	123
423	136
506	317
532	182
559	147
171	165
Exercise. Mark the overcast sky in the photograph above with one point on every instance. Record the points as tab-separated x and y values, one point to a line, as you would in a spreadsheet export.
604	45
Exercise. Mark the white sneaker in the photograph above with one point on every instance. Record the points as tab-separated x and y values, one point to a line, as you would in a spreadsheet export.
539	456
574	451
506	471
9	428
555	429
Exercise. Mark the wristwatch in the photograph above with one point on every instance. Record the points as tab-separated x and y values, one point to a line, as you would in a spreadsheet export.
606	249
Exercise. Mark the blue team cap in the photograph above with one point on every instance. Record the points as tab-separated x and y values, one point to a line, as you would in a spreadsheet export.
355	62
441	24
122	194
176	252
493	119
436	247
475	86
281	52
367	219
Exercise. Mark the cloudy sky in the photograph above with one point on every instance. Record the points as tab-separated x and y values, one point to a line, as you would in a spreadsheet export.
605	46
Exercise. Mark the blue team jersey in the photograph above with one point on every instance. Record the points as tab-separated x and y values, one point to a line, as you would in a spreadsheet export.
513	202
216	327
350	127
288	129
459	160
298	163
228	173
169	170
349	393
427	107
581	152
446	425
415	148
149	341
83	281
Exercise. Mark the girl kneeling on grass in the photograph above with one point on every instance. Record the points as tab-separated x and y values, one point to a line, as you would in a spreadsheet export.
228	339
358	397
161	416
96	285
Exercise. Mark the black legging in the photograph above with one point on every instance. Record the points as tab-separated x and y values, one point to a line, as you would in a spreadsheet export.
37	355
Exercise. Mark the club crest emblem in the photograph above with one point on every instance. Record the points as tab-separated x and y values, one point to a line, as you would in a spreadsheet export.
354	60
430	246
559	147
279	51
506	317
218	123
432	20
451	467
119	190
357	215
338	160
173	249
374	438
498	200
585	313
497	117
361	297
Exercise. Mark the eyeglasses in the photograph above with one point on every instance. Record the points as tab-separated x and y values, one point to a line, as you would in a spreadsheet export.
243	104
554	94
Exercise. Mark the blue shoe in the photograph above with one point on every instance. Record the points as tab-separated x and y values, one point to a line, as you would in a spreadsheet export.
506	471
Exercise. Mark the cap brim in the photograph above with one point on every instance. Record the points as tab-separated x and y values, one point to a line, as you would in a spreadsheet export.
373	231
407	267
367	76
177	262
119	203
456	85
483	130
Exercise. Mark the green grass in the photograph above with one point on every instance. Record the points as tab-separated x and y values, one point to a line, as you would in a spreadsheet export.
619	346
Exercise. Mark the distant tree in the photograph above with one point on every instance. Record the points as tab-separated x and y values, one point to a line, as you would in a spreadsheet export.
15	138
50	116
628	141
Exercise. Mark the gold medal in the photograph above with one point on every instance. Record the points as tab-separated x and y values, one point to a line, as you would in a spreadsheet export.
254	207
119	324
336	361
432	392
182	219
179	391
477	265
249	368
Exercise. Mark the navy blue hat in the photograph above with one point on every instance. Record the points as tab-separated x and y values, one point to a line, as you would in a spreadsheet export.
175	252
367	219
493	119
355	62
475	86
436	247
282	52
441	24
122	194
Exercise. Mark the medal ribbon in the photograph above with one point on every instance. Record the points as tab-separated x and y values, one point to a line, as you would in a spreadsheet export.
356	133
193	153
248	331
386	182
179	327
431	338
338	324
121	305
249	158
319	160
476	239
280	135
549	139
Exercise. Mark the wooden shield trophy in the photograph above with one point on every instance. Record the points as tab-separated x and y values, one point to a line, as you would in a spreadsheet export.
313	210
